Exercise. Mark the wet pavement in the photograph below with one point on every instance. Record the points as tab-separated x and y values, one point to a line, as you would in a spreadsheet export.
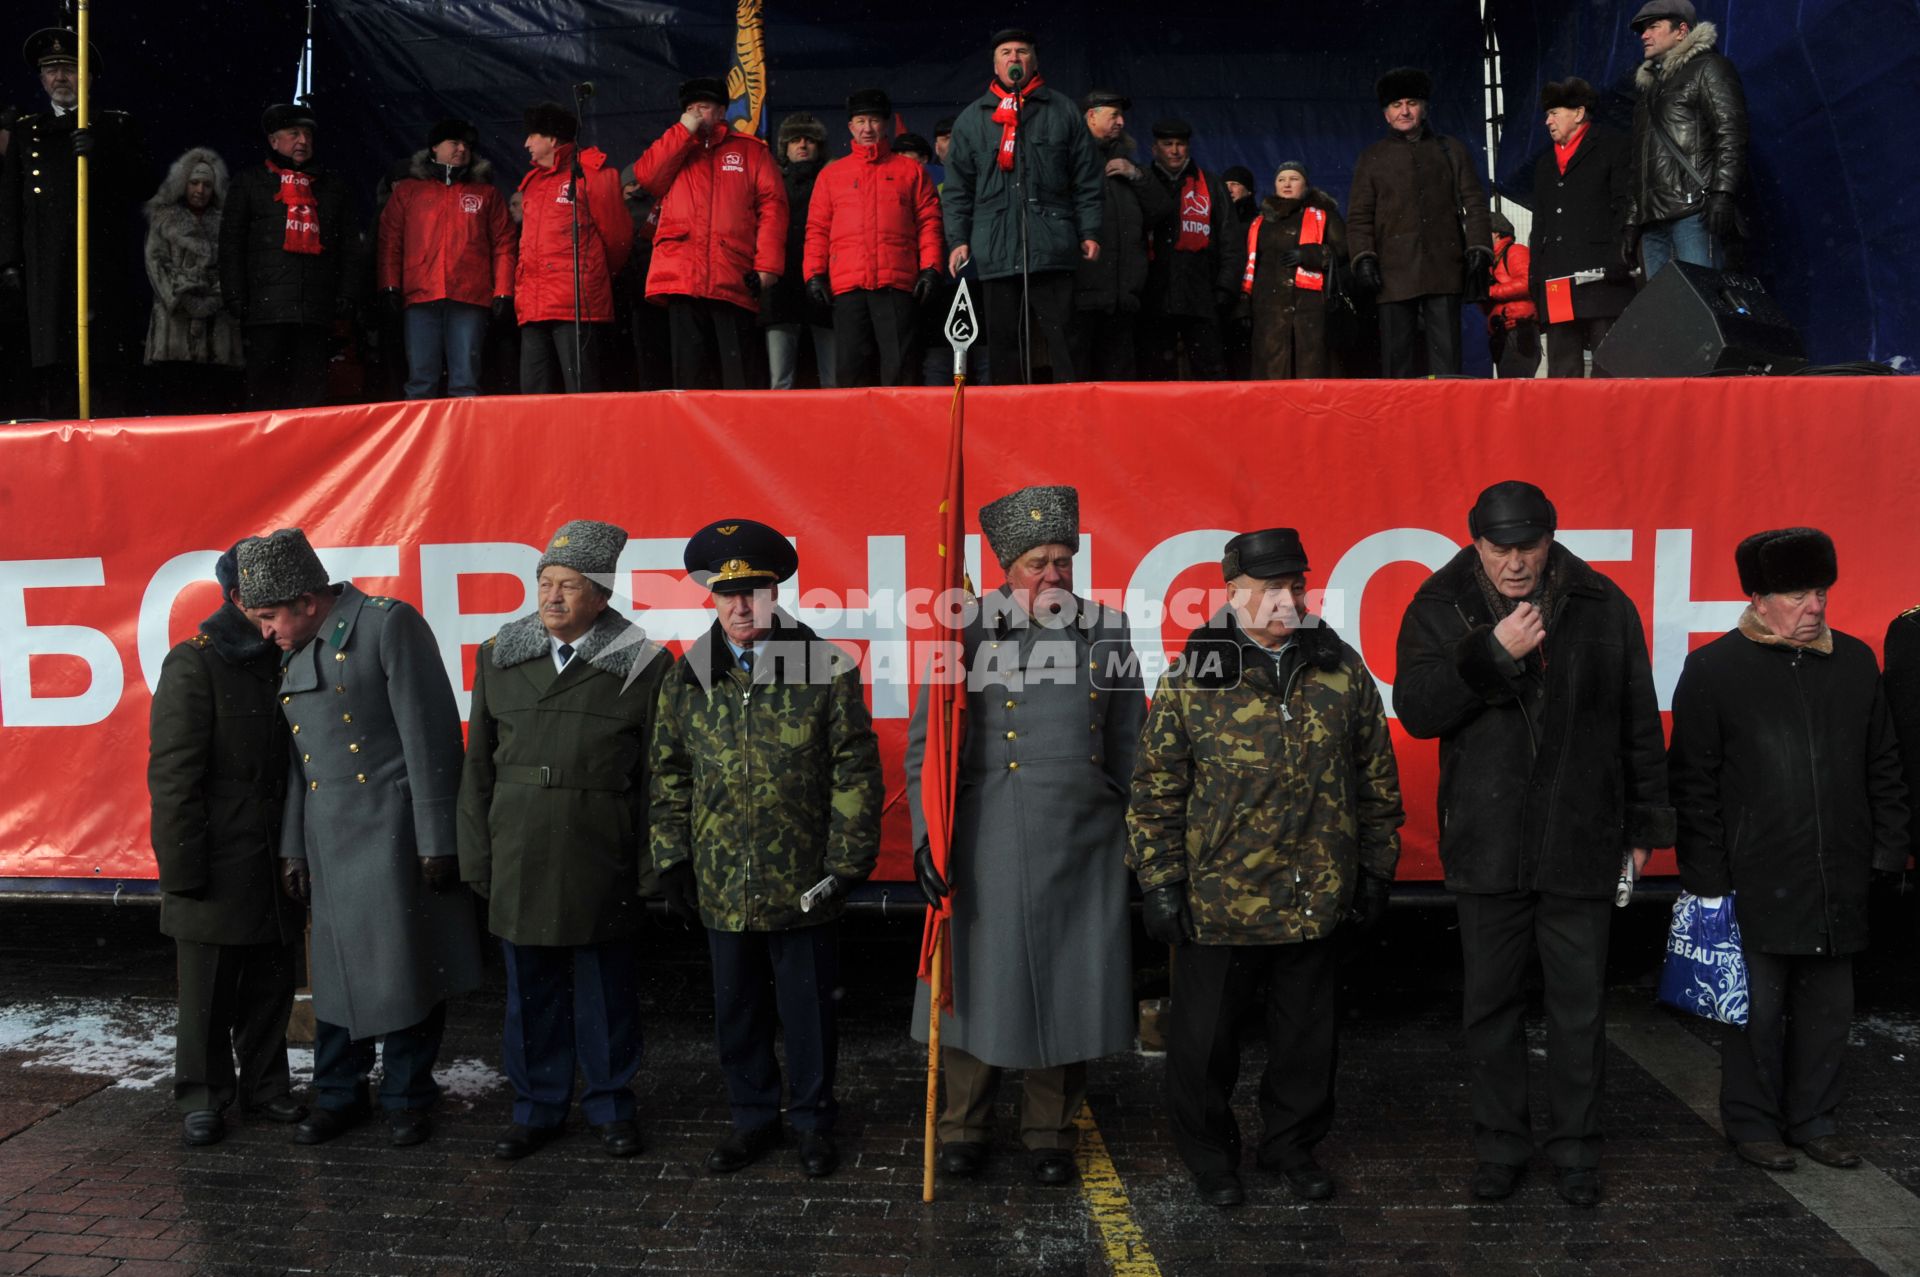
94	1179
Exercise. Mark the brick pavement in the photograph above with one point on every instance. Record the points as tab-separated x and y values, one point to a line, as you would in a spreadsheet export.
97	1181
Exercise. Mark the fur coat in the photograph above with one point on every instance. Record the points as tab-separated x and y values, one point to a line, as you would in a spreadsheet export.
190	324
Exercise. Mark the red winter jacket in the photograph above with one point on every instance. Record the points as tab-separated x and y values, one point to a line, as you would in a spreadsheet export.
446	241
543	286
723	212
1508	300
874	221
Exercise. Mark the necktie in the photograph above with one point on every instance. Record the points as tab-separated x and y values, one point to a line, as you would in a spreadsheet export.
746	660
566	654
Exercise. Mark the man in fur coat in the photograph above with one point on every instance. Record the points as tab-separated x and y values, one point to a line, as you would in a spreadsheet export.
193	344
553	835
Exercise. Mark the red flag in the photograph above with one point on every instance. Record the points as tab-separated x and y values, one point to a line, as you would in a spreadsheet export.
944	680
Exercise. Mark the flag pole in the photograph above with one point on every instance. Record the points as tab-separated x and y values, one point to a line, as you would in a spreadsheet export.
83	364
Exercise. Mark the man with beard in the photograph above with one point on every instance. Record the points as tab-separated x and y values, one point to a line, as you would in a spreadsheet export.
1106	298
1194	282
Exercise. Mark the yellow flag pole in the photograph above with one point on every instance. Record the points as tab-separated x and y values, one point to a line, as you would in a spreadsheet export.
933	1064
83	363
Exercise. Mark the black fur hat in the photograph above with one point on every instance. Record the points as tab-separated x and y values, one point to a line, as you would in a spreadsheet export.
1571	93
913	144
550	119
1403	82
703	89
452	130
869	102
286	115
1786	559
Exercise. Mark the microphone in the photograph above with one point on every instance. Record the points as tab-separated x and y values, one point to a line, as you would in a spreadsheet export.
584	89
1015	74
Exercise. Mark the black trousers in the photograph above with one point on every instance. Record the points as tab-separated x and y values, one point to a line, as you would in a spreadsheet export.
571	1007
341	1063
1781	1076
716	345
1050	310
286	365
1499	936
234	1001
1213	985
1162	337
1568	343
1103	345
794	977
547	363
873	334
1433	320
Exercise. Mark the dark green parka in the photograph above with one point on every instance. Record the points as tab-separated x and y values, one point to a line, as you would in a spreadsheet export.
1060	179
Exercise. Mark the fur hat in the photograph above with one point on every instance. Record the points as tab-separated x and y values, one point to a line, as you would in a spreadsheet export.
703	89
799	125
1032	516
287	115
453	130
173	190
737	556
1239	173
278	567
913	144
226	569
1571	93
1403	82
869	102
550	119
1785	560
589	548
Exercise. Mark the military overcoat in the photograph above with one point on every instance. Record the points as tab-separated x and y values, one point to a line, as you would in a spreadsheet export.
1042	961
373	783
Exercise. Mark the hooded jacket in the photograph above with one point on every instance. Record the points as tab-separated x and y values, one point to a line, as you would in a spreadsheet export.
723	214
1695	94
543	282
445	235
874	221
190	323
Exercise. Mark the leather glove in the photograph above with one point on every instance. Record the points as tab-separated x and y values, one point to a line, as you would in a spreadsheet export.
818	293
440	873
1164	910
395	300
1719	217
1369	903
295	881
1892	882
682	897
1630	245
1366	273
83	141
1479	258
502	308
1288	259
923	285
932	885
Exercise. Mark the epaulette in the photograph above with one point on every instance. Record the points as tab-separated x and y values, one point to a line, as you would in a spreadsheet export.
488	643
380	601
1912	611
201	640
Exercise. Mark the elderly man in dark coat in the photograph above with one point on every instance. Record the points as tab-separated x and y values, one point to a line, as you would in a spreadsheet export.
1198	256
368	833
216	778
1579	211
1786	776
1417	225
553	835
1107	290
1902	648
1531	669
1042	980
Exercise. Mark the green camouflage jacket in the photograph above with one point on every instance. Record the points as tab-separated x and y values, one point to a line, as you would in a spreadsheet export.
767	783
1268	802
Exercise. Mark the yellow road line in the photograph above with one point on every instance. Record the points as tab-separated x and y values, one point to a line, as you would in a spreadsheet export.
1126	1245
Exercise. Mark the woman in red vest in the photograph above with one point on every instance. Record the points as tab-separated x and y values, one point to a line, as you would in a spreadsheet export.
1293	249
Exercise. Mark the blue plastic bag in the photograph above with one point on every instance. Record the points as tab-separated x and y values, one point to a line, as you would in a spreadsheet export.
1706	972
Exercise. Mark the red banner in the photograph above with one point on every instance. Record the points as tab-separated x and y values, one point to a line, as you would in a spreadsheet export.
110	530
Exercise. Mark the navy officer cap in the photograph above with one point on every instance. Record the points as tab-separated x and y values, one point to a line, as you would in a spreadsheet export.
1512	513
1264	555
735	556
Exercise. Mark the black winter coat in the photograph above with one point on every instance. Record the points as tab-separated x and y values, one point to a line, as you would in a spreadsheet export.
1131	209
1577	220
1289	323
788	303
1543	787
1903	692
1695	93
217	774
1190	284
1787	781
261	281
1404	208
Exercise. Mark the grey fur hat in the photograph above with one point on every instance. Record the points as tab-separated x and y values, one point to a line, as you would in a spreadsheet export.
278	567
800	124
588	547
1032	516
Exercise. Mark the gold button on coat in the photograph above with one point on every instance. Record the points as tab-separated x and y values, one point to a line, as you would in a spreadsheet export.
361	777
346	718
1012	735
1013	767
313	784
354	748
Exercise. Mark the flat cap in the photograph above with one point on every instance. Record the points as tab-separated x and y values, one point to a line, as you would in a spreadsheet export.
1654	10
1172	127
703	89
1013	35
1403	82
276	567
1264	555
1032	516
1512	513
1784	560
735	556
588	547
287	115
1105	97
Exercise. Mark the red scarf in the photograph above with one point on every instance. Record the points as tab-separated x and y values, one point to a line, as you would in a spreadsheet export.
1563	151
303	216
1196	214
1313	230
1008	118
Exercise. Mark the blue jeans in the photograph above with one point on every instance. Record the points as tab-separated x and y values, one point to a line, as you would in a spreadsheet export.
444	332
1683	239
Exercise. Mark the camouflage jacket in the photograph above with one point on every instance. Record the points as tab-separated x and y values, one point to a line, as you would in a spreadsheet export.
767	782
1268	801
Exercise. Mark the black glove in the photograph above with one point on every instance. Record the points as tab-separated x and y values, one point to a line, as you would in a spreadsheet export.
1290	258
1313	256
12	280
1479	258
396	300
932	885
1892	882
682	897
1226	298
923	285
295	881
502	308
1164	910
1720	219
83	141
1618	274
1369	903
1366	273
440	873
753	283
817	291
1630	245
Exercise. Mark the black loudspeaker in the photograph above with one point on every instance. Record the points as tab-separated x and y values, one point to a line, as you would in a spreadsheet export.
1695	322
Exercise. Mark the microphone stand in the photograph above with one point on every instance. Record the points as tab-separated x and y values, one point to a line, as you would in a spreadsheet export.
1020	202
